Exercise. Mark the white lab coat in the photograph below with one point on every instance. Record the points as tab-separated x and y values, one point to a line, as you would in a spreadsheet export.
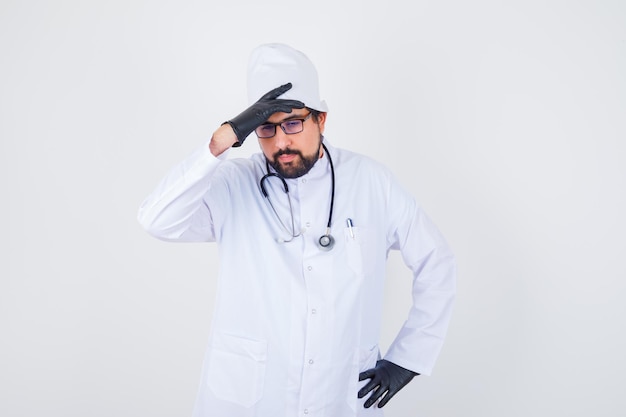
293	325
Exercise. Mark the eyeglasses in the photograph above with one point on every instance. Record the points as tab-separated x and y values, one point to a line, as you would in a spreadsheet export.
290	127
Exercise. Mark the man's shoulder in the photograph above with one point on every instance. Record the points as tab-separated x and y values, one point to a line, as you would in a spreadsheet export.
355	160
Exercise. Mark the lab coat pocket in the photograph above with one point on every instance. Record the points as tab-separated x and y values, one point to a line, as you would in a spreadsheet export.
355	239
364	359
236	371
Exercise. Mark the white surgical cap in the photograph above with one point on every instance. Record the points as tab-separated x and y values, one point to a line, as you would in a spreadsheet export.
272	65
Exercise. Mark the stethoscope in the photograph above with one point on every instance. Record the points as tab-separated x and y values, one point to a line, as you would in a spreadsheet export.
326	241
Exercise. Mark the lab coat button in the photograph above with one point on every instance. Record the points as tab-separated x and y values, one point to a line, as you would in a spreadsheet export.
311	361
308	224
310	268
313	311
306	411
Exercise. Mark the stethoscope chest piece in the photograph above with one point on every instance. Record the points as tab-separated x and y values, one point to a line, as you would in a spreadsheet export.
326	242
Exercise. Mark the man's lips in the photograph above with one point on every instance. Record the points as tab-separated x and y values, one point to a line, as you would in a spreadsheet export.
287	157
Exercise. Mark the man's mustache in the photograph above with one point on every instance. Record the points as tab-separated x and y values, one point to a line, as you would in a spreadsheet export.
287	152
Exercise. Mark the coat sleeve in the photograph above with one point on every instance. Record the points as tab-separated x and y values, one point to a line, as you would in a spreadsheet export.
428	256
176	209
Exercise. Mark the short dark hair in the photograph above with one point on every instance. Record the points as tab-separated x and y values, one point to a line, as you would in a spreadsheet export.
315	114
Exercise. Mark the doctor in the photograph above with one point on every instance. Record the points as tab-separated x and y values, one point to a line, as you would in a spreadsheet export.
303	230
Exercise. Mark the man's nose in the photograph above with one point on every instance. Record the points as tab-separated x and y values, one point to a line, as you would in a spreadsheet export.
281	140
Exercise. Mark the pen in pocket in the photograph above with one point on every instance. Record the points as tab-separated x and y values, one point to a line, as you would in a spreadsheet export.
350	225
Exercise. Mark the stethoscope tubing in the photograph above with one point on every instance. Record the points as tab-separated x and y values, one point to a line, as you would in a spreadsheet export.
326	241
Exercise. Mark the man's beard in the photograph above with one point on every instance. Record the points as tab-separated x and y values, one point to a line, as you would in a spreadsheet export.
297	167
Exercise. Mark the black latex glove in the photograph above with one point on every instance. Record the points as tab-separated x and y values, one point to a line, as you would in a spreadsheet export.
257	114
388	378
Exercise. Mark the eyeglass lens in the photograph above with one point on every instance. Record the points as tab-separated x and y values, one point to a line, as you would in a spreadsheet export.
290	127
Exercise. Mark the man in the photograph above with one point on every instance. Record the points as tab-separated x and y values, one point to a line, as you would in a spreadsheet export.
303	229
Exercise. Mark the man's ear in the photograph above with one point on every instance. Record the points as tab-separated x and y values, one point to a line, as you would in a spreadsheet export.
321	121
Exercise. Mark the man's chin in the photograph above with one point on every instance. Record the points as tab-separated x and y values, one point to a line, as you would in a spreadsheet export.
290	170
294	168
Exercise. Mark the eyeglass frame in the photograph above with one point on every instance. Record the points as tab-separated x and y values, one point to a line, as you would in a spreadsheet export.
282	128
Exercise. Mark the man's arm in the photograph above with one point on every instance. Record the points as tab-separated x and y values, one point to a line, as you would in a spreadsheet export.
427	255
175	210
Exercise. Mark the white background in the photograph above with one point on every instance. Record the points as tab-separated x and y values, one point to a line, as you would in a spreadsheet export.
506	120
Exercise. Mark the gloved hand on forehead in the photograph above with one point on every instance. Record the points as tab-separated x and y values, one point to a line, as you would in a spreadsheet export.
387	378
259	112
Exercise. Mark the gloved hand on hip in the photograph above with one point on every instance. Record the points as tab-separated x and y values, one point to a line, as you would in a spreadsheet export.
259	112
387	378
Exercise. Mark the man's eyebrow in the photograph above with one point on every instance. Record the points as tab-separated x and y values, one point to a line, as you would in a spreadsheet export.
295	116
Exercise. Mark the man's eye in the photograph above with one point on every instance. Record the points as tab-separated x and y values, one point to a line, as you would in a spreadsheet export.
292	124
